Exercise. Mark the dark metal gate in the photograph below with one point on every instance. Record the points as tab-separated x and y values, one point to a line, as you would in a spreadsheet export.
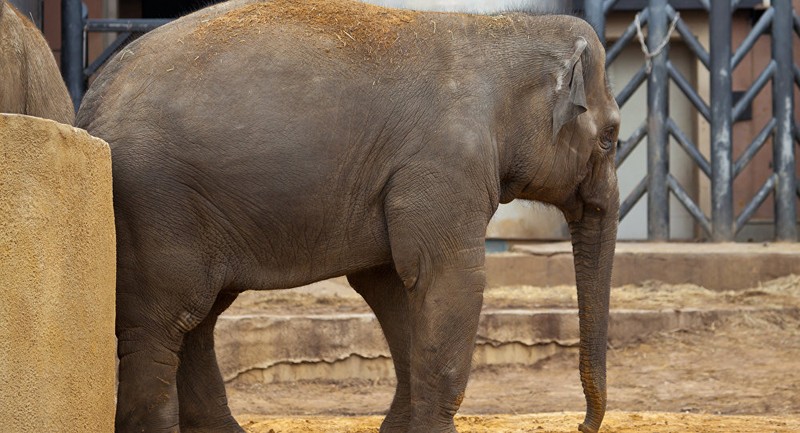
658	19
781	23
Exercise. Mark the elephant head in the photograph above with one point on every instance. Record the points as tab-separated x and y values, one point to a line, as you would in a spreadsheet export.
572	167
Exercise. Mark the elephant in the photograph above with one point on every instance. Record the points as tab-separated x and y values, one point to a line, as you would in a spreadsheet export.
260	145
30	82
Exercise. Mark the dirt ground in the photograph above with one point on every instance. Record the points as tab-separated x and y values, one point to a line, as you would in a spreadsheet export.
615	422
746	364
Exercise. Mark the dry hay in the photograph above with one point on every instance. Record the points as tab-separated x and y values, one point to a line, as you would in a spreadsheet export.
323	298
353	24
363	27
782	292
26	21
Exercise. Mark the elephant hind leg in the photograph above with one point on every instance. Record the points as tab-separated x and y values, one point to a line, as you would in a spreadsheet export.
383	290
201	390
157	306
147	399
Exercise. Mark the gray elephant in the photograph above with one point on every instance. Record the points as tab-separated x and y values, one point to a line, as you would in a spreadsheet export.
266	145
30	82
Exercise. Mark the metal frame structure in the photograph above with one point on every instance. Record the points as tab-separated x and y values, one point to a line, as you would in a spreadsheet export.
779	21
75	25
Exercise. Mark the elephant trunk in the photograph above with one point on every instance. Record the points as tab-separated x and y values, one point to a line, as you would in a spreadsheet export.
593	242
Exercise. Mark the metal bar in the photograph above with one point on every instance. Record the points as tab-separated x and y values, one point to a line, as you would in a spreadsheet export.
627	146
756	87
734	4
756	202
783	109
758	29
108	52
705	4
796	75
688	37
721	122
796	22
72	49
689	204
797	132
657	133
132	25
594	14
625	38
607	5
633	198
633	84
689	147
688	90
754	147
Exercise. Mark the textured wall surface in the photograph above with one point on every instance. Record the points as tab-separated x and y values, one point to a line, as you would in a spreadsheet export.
57	276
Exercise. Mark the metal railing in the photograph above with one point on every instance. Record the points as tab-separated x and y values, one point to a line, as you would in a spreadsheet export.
75	26
779	21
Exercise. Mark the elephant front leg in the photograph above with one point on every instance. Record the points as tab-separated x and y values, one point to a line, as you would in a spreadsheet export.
444	317
436	235
384	292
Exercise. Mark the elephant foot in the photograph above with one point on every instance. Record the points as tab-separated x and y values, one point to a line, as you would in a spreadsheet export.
395	423
228	428
427	429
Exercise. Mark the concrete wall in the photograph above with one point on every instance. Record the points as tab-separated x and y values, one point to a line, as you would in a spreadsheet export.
57	274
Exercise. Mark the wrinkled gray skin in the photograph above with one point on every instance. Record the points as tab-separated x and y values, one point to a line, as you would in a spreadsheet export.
30	82
283	158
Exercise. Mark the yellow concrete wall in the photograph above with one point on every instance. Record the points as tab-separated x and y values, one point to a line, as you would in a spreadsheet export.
57	277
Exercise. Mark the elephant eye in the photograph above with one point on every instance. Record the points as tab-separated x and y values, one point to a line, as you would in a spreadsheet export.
608	138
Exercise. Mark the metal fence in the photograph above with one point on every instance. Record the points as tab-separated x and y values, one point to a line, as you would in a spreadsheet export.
781	23
658	19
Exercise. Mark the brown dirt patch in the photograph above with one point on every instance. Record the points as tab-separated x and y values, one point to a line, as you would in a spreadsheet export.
353	24
615	422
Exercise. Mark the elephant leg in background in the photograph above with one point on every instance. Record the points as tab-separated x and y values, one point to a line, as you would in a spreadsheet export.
383	290
201	390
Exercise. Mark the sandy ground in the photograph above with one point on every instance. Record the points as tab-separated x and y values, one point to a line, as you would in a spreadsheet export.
747	364
615	422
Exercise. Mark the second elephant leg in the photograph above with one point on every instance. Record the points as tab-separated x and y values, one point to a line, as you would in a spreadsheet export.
384	292
201	391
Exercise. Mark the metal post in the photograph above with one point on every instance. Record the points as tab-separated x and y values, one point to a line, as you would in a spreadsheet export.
593	11
782	109
721	122
658	134
72	49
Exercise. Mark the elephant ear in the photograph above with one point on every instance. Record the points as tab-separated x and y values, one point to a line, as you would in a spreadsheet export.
570	99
